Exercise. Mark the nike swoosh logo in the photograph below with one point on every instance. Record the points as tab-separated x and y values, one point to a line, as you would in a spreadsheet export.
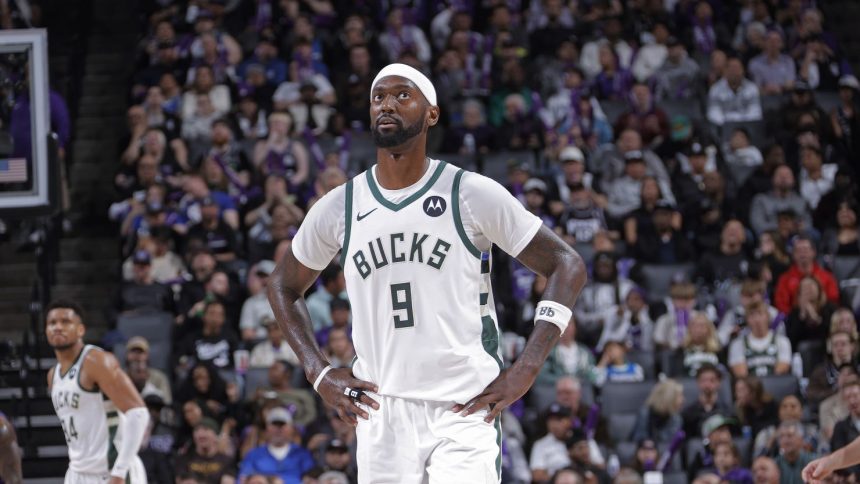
361	216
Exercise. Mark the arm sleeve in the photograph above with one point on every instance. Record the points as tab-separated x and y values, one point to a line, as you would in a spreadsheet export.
318	238
495	216
132	426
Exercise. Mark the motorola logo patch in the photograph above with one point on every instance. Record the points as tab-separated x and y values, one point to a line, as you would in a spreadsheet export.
434	206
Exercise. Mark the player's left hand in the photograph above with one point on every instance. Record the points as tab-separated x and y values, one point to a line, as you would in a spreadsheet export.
511	384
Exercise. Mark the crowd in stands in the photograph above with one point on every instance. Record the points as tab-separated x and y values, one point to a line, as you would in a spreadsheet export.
701	155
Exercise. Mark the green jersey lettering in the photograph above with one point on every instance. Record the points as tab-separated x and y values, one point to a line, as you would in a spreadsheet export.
440	250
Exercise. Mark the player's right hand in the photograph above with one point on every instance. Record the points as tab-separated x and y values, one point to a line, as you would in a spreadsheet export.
816	471
331	390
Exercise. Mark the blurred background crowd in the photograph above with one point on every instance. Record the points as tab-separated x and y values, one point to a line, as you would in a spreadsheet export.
701	155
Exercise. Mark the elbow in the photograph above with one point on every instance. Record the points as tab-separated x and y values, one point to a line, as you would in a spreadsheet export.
575	265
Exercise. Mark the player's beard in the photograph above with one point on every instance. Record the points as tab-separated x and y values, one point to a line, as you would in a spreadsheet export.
400	135
64	346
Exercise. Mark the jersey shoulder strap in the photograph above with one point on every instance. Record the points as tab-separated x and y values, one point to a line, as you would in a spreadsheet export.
348	221
458	219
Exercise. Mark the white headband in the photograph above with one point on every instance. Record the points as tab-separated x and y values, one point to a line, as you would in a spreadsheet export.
402	70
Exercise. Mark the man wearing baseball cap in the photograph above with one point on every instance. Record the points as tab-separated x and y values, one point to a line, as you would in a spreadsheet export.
716	430
204	459
279	456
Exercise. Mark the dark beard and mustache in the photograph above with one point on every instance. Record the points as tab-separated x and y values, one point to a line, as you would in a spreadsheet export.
399	136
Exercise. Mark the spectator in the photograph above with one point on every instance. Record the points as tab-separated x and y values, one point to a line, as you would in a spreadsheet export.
663	244
804	264
196	191
549	453
167	266
401	37
734	322
568	358
767	205
610	163
146	379
773	71
340	317
701	344
213	342
613	82
646	457
337	458
230	159
279	457
705	32
279	154
642	219
676	78
203	460
310	112
614	366
332	286
809	318
844	119
266	55
842	239
629	321
301	400
653	54
580	457
339	350
816	177
733	98
845	431
645	116
625	192
708	379
835	408
519	129
716	430
670	330
730	262
790	410
765	471
660	418
142	292
727	464
273	348
256	308
824	378
215	232
792	458
740	151
157	447
754	407
474	136
761	352
535	193
593	53
582	217
204	386
568	393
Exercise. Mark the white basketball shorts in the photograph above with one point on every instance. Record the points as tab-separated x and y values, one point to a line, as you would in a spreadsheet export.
136	475
424	442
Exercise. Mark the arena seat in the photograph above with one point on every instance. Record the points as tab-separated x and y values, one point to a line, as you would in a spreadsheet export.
645	359
780	385
658	277
621	426
619	398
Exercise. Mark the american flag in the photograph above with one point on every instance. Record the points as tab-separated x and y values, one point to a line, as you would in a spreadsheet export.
13	170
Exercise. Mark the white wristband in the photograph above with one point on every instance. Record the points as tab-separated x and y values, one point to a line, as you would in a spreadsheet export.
553	312
320	377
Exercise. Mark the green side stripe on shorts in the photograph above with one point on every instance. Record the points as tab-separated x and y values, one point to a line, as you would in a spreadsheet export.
484	296
498	426
490	338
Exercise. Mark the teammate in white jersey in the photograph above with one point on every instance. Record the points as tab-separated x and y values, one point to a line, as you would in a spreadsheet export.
415	234
102	414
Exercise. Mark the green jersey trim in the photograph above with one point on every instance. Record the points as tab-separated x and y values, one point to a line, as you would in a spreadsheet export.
498	426
404	203
348	228
77	358
458	221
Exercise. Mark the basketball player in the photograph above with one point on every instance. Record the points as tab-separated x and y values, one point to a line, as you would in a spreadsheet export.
415	234
103	417
818	470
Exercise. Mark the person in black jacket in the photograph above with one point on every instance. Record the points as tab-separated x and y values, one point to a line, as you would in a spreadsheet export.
663	244
846	431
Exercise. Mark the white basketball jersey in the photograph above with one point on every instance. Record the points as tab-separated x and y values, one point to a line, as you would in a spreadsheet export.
424	324
88	418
